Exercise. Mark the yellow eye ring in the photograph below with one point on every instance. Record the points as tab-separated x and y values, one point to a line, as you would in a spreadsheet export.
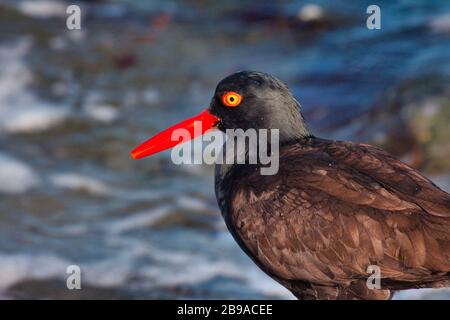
231	99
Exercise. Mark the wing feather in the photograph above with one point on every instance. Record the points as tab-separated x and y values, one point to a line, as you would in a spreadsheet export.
335	208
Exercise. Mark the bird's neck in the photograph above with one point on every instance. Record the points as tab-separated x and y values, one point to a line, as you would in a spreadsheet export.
290	122
294	130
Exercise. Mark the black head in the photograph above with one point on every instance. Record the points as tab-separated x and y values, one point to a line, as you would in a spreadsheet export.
266	103
243	100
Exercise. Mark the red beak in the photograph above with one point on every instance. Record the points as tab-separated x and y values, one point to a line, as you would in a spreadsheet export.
163	140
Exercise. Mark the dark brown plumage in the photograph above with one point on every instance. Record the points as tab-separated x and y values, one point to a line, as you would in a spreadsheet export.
333	209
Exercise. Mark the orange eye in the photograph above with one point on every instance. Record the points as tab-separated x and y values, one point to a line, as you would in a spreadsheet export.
231	99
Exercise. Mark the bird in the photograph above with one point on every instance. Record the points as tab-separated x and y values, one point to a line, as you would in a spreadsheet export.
333	209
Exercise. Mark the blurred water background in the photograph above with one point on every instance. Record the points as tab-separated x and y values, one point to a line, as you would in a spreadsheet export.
74	103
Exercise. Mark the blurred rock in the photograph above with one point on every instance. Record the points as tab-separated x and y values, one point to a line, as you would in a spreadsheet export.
125	60
57	289
412	121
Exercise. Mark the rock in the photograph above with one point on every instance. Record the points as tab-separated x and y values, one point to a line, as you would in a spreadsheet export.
411	121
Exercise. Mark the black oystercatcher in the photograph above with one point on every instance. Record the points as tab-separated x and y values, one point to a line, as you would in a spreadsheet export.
333	209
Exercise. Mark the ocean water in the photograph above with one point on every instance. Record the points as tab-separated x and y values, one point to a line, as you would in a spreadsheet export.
74	103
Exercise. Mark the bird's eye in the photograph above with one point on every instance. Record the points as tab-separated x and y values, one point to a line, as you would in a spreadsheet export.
231	99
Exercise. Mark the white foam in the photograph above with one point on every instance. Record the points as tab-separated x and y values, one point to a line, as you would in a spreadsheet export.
192	269
42	8
30	118
82	182
96	109
17	267
20	111
101	113
79	182
138	220
138	195
112	272
191	203
16	176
